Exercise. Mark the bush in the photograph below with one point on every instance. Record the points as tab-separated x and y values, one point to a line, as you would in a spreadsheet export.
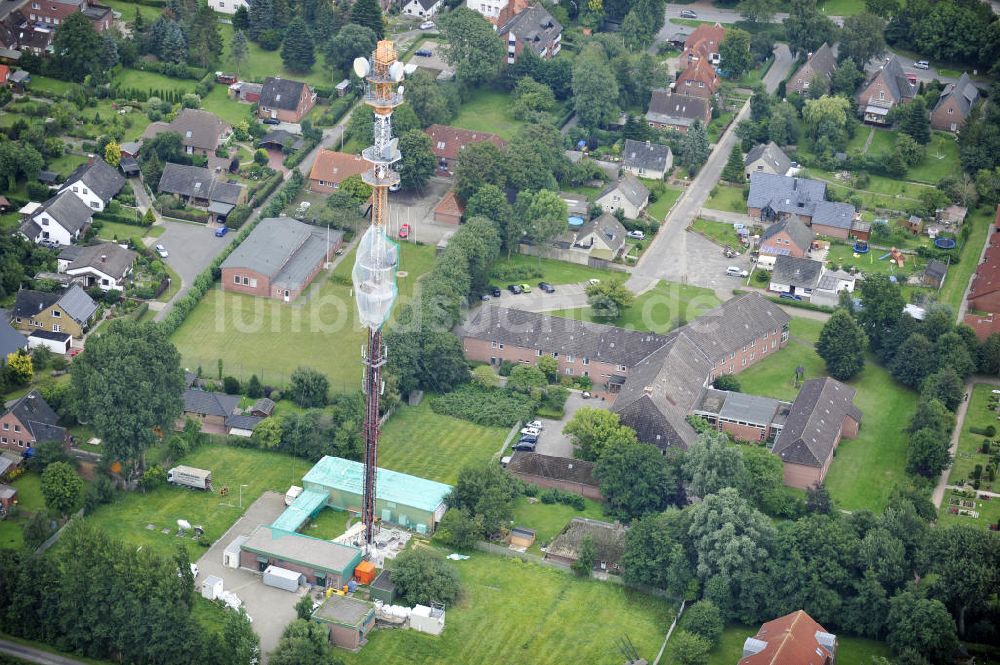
231	385
516	273
989	430
493	408
423	576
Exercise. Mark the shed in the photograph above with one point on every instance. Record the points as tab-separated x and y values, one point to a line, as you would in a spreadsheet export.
449	210
522	537
57	342
383	589
428	620
8	495
211	588
282	578
935	273
231	555
343	87
129	167
365	572
350	619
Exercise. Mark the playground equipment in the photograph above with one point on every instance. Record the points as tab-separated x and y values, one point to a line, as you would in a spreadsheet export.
861	247
945	243
897	257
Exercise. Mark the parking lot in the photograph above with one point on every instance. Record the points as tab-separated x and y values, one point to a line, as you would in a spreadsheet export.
552	441
191	248
435	63
271	609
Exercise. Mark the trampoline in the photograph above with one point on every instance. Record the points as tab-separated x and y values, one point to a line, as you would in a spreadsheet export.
575	222
861	247
945	243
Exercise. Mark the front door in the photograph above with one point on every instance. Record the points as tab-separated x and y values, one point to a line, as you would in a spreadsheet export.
286	296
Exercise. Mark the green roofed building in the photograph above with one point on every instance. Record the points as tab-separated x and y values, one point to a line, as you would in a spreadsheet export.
323	562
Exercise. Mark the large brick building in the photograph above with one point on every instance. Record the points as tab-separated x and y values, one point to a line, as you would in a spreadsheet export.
794	639
279	259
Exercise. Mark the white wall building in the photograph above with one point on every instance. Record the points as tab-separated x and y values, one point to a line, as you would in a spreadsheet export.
227	6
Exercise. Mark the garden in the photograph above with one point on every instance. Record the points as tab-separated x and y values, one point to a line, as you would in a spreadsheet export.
728	198
721	233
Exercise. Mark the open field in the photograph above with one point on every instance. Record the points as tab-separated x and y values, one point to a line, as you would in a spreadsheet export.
554	272
271	338
45	84
255	470
512	612
422	443
865	469
666	199
727	197
721	233
548	520
980	415
850	650
660	310
66	164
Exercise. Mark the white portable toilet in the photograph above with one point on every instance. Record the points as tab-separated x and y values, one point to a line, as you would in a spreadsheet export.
231	555
211	588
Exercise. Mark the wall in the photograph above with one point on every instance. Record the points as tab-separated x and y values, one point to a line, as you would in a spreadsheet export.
801	476
744	432
831	231
230	275
482	351
735	362
45	320
782	241
589	491
249	561
15	441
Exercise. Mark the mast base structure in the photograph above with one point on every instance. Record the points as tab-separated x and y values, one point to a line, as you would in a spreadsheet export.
374	274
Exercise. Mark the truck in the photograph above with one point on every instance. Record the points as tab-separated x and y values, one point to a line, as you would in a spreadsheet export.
188	476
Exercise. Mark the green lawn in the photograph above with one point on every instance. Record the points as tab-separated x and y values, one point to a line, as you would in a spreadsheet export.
29	492
980	414
422	443
488	111
872	262
65	164
721	233
46	84
152	81
149	14
659	310
865	469
271	338
260	64
850	650
328	524
555	272
119	231
883	142
942	159
666	198
727	197
512	612
841	8
221	104
10	534
718	125
256	470
548	520
958	275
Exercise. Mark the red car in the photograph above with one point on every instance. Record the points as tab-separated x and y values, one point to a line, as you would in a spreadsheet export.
404	231
74	352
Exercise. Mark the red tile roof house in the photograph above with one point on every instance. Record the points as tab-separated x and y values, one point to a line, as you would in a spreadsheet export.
698	80
447	143
285	100
788	237
449	210
984	296
703	44
954	105
332	168
794	639
984	325
30	420
886	89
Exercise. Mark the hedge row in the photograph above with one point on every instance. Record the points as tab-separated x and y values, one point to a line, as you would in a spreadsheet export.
492	408
295	183
294	159
263	189
337	110
199	216
131	220
173	69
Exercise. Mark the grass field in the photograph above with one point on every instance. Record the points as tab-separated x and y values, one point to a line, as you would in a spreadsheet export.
721	233
119	231
660	310
864	469
548	520
221	104
988	509
512	612
883	141
29	492
555	272
46	84
980	414
256	470
65	164
488	111
141	80
727	197
958	275
422	443
149	14
872	263
942	159
850	650
328	524
666	199
270	338
841	7
260	64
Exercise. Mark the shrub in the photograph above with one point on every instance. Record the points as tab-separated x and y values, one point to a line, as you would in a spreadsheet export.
516	273
423	576
494	408
989	430
231	385
727	382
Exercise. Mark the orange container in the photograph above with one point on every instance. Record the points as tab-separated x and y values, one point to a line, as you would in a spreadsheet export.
365	572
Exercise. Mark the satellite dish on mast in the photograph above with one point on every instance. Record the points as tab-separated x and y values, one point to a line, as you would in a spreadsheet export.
396	71
391	148
362	67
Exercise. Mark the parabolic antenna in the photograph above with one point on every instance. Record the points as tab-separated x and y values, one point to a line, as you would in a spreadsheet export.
361	67
396	71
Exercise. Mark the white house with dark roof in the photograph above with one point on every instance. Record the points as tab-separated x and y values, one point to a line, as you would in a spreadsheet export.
200	187
95	183
795	276
106	265
421	8
600	238
627	194
647	159
62	220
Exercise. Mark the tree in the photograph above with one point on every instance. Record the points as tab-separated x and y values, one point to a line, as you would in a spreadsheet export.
304	642
531	98
429	99
546	216
239	49
735	53
594	431
637	480
36	530
267	433
304	608
928	453
130	363
19	368
704	618
923	625
946	386
842	345
424	576
846	78
883	308
914	120
733	171
767	489
950	350
298	53
353	41
826	115
586	557
75	45
369	14
989	357
253	387
818	499
884	8
418	162
757	11
308	387
914	361
695	147
485	492
113	153
490	202
806	28
473	48
609	299
241	644
595	88
484	377
963	561
689	648
479	164
712	463
549	366
204	40
61	487
241	19
862	38
460	529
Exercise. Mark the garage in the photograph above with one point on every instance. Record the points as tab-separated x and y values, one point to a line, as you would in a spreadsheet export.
57	342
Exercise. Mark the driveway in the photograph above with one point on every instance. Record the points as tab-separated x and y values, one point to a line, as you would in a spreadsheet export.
434	63
192	248
417	209
567	296
553	441
271	609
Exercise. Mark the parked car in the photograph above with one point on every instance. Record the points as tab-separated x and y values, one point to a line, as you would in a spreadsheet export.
530	431
528	438
586	394
537	424
514	288
790	296
687	13
495	291
427	25
636	235
733	271
545	286
221	231
921	64
271	121
162	251
524	447
484	297
423	53
911	77
404	231
525	288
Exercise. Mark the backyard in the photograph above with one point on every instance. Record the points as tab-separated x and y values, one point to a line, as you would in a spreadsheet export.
512	612
119	231
841	254
260	64
867	468
721	233
547	520
959	275
489	111
660	310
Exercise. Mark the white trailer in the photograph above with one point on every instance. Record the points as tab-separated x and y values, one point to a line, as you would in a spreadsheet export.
188	476
293	493
282	578
211	588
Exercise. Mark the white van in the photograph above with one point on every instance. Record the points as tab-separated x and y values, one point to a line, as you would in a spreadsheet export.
733	271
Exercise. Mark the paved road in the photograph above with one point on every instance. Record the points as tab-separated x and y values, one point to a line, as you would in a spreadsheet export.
679	256
32	655
938	496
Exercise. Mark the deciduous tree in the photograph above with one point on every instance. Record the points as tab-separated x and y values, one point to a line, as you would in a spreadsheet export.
713	463
594	431
308	387
473	48
842	345
927	453
862	38
807	28
921	624
353	41
757	11
704	618
595	89
61	487
423	576
688	648
608	299
418	162
946	386
637	480
735	53
75	46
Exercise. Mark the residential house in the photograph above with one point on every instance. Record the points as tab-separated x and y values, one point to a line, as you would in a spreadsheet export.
745	417
817	70
28	421
497	12
934	273
608	540
602	238
647	159
201	131
95	183
702	45
11	341
449	209
332	168
562	473
795	276
628	194
30	25
679	112
984	296
533	28
447	143
421	8
889	87
767	158
285	100
833	219
794	639
199	187
62	219
67	312
227	6
822	413
697	80
831	284
775	196
106	265
984	325
279	259
787	237
212	410
954	105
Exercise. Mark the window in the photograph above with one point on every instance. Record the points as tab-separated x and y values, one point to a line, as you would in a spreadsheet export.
569	371
951	110
20	444
732	355
586	360
6	427
3	439
538	352
586	373
236	279
440	145
555	354
569	358
253	283
246	281
743	361
501	346
17	428
75	190
56	313
621	368
35	5
744	348
493	344
774	344
55	327
881	94
93	204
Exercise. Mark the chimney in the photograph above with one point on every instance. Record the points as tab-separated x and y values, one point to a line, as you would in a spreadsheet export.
648	390
90	160
104	258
